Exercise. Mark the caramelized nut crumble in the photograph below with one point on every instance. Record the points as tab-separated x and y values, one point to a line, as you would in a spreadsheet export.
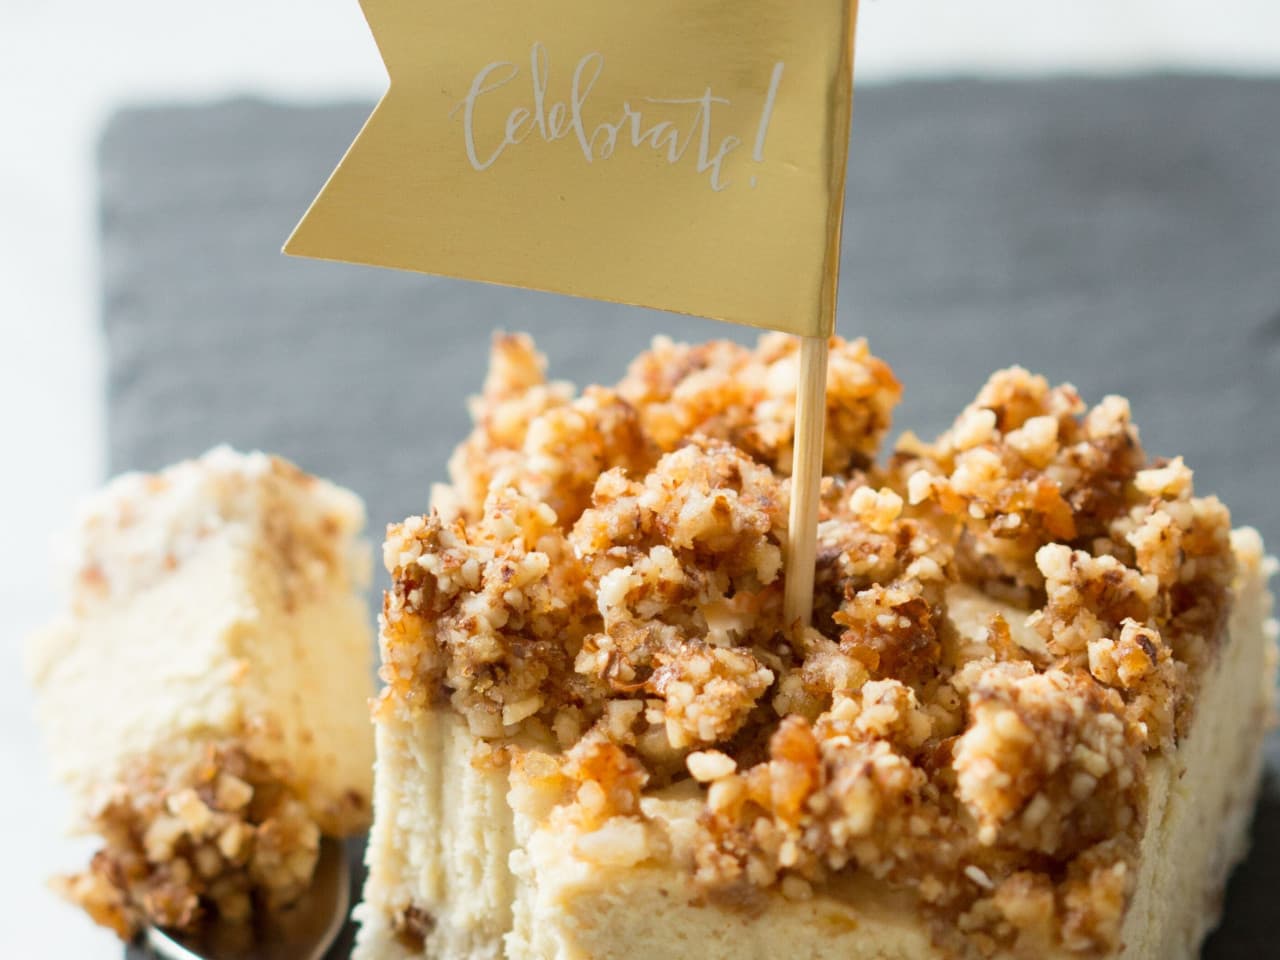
604	578
217	835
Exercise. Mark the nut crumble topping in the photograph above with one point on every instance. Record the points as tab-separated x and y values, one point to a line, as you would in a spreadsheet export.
604	578
217	835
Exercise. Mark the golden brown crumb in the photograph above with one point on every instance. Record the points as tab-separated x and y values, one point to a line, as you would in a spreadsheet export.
220	834
412	926
747	397
1048	762
605	577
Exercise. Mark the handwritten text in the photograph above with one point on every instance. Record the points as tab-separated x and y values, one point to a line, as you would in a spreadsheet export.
684	125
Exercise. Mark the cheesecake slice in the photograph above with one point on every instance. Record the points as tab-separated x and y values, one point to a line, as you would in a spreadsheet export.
205	695
1026	722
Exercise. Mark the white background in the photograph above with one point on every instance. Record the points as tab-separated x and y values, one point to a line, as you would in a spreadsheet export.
65	64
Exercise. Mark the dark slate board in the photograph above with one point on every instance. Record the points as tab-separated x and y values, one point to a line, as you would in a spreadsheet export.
1121	234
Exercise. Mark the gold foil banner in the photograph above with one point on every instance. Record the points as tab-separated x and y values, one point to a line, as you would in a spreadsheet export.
681	154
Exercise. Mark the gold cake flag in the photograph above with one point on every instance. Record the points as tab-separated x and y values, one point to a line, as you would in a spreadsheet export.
687	155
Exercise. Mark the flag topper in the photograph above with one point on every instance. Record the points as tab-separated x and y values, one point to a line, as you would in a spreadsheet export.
687	155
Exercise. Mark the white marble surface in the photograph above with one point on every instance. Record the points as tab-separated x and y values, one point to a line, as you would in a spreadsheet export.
65	63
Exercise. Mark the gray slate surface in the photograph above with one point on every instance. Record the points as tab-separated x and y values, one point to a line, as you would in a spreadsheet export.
1120	234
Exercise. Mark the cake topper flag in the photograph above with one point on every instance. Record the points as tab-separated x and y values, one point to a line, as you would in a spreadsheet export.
681	154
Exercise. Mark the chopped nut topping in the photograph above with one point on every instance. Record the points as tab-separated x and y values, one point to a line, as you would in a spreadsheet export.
218	834
747	397
1048	763
605	575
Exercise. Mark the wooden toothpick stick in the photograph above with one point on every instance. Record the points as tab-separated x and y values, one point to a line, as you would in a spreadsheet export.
806	479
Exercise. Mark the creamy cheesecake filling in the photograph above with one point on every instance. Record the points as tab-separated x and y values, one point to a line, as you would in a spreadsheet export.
1013	629
205	696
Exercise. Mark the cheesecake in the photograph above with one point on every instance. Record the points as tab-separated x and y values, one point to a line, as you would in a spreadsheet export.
205	694
1025	722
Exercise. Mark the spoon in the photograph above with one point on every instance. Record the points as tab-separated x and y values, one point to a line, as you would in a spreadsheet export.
303	931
